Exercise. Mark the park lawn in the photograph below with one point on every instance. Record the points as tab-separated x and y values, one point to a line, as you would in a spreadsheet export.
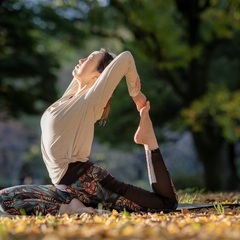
220	222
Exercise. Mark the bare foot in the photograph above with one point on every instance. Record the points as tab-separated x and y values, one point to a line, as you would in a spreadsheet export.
145	133
145	125
75	206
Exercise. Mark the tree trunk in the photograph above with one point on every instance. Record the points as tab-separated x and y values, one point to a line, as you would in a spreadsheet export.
213	152
233	182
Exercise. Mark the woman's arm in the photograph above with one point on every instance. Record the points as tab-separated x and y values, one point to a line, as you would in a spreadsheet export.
103	88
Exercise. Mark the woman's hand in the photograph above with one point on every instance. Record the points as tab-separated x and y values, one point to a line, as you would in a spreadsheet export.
140	100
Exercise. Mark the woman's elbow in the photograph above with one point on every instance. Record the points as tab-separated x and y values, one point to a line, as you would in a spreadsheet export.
127	54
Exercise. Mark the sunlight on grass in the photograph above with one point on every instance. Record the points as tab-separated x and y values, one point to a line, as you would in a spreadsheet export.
218	222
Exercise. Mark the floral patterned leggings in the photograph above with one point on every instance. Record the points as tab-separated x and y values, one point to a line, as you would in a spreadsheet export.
93	186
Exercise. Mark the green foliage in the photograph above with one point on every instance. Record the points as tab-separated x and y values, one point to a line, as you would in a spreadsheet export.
180	47
178	52
221	106
220	20
27	67
31	37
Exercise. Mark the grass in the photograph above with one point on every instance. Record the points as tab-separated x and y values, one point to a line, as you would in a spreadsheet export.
187	198
219	208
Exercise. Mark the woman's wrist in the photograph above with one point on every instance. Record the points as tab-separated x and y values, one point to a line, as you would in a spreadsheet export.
140	100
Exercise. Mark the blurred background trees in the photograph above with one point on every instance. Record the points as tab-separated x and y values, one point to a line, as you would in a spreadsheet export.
187	54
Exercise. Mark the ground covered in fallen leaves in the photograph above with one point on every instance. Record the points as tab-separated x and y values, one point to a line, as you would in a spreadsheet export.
220	222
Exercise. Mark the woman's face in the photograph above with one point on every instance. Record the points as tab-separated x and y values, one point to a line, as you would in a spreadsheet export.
86	69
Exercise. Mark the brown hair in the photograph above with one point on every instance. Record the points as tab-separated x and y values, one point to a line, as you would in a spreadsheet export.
107	58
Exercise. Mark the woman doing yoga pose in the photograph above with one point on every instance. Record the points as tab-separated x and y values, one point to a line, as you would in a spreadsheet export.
78	185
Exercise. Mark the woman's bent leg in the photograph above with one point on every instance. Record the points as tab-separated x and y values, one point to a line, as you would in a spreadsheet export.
32	199
164	196
96	186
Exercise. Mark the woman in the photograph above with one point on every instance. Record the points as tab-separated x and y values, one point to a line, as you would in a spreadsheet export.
67	135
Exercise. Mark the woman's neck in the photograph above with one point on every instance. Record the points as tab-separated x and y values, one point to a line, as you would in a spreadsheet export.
81	87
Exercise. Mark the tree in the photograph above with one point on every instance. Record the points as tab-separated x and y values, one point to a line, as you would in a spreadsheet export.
32	36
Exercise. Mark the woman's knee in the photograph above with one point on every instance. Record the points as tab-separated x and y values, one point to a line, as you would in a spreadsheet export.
3	198
171	204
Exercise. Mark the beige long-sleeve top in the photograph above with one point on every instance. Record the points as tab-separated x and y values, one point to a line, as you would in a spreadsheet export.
68	124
